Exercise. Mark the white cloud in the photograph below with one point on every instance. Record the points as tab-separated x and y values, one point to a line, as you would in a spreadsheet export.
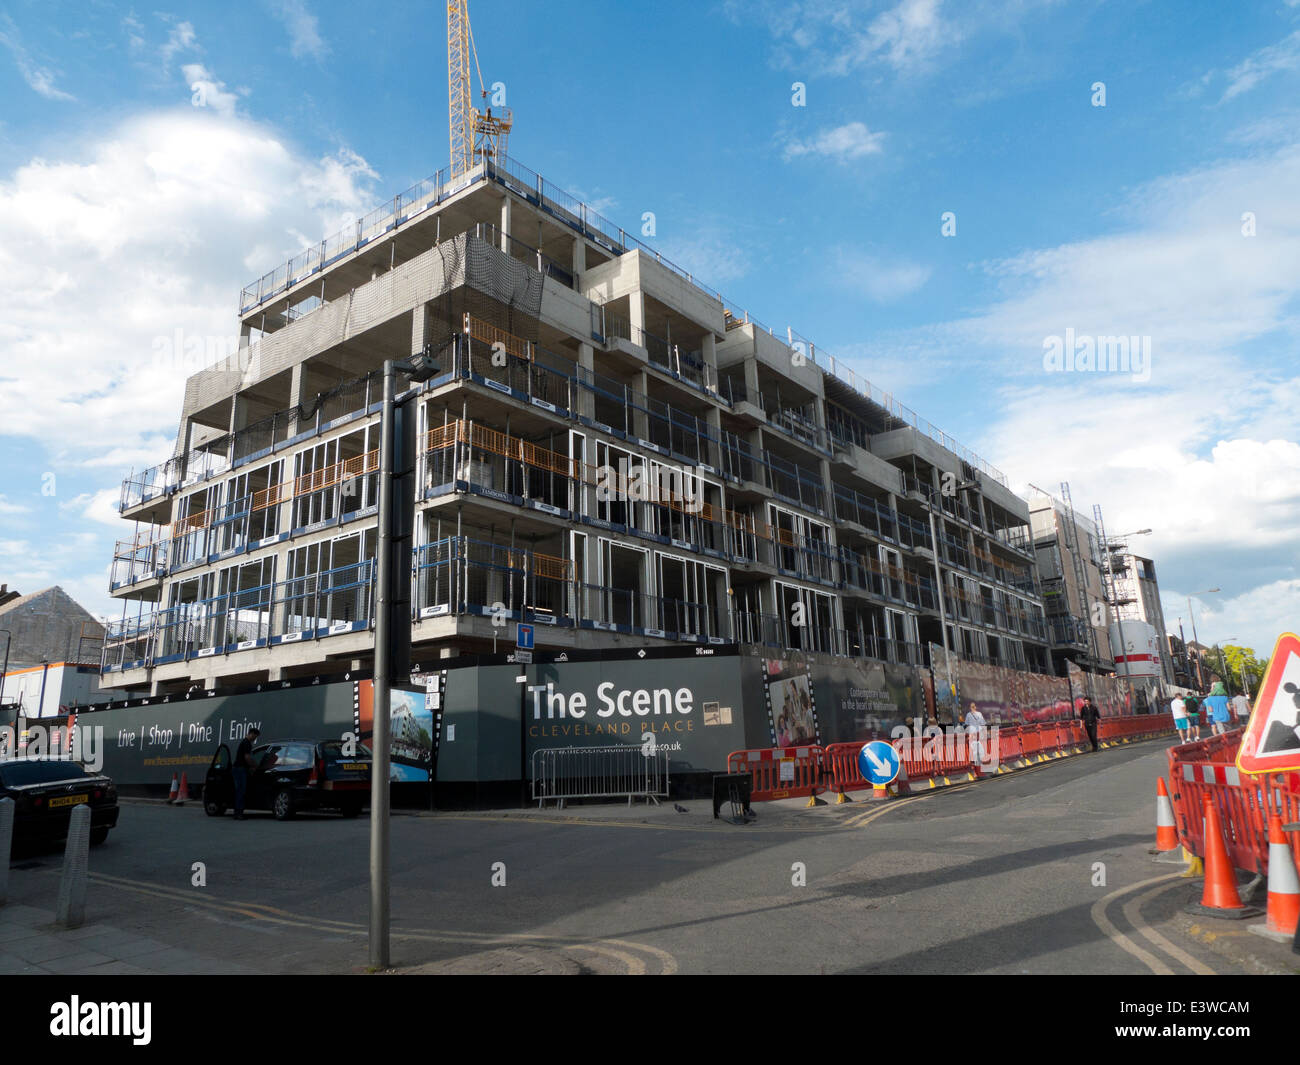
881	281
853	140
304	32
907	35
146	232
850	36
207	91
39	79
181	38
1274	59
8	508
709	255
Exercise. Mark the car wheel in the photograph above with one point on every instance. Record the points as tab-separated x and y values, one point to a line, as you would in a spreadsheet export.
213	808
283	808
98	836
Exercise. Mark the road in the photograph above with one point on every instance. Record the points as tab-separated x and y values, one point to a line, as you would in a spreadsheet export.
1042	871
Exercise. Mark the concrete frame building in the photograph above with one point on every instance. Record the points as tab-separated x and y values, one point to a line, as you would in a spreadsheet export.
608	449
1078	628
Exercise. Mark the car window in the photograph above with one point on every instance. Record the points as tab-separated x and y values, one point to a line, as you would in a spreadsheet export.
264	757
52	772
16	774
295	756
36	771
222	760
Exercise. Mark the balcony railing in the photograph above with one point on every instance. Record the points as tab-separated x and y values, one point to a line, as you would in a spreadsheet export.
579	216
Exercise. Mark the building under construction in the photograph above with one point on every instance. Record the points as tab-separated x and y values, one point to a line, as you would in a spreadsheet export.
607	448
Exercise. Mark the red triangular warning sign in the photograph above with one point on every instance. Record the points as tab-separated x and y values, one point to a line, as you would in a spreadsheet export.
1272	740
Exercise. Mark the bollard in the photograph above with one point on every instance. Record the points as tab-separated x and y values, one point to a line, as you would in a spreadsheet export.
71	911
6	843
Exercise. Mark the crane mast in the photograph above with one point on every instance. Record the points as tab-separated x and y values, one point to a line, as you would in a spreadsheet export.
473	133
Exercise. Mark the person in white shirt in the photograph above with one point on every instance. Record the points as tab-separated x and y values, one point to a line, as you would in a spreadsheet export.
1241	706
1180	718
976	733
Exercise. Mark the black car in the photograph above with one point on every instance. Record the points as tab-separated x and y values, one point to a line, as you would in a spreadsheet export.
45	792
292	775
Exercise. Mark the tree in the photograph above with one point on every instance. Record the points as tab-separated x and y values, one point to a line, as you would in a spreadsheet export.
1242	660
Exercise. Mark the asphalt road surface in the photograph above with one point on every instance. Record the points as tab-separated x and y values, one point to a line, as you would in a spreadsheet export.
1043	871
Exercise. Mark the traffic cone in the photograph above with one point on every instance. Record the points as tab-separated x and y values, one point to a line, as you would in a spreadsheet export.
902	786
184	792
1283	888
1220	898
175	790
1166	830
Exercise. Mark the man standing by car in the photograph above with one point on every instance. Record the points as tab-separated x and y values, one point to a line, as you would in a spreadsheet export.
239	772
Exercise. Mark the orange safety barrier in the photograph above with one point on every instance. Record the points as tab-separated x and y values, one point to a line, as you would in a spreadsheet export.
1207	768
841	763
780	772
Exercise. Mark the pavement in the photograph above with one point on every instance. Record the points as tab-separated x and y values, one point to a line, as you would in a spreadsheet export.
31	942
1044	870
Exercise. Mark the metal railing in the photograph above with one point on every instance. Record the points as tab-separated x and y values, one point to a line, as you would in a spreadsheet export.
563	773
572	211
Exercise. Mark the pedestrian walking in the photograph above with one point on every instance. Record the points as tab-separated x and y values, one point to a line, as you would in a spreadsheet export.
243	763
1193	703
1090	716
976	731
1178	707
1241	707
1216	708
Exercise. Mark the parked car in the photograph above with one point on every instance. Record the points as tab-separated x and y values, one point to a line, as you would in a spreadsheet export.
45	792
292	775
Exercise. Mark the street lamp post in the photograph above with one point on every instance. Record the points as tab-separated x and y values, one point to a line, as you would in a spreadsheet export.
420	368
1200	679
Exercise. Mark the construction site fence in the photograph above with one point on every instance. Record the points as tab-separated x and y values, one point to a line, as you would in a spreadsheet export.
1207	770
562	773
781	772
790	772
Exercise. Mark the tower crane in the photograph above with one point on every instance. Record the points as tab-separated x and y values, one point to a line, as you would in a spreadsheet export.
474	134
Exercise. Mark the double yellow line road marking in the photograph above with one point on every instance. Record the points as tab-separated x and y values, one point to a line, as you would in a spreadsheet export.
633	957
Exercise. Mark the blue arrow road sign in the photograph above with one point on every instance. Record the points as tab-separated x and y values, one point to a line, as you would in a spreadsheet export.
524	637
878	762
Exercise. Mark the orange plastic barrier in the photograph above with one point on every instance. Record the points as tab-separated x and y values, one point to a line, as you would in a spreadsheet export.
1208	767
780	772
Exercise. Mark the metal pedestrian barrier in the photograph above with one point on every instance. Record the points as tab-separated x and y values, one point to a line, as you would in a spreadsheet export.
562	773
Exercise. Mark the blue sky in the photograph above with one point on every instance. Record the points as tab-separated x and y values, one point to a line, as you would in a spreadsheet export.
127	214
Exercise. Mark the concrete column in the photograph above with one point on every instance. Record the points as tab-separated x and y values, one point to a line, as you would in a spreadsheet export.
506	213
641	420
585	401
713	416
296	374
751	377
419	327
636	315
579	258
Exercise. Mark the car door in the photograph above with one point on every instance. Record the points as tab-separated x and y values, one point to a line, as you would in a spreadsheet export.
260	790
218	785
